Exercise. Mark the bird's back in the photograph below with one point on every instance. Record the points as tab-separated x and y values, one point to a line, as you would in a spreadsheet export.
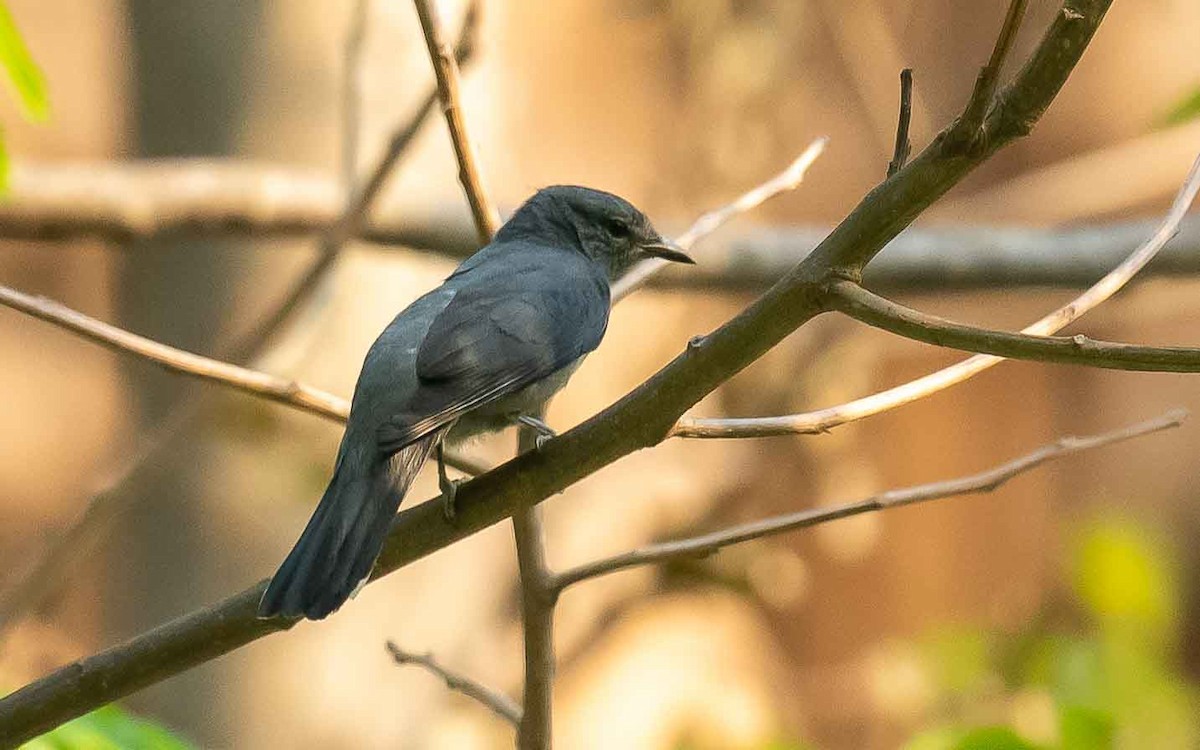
515	307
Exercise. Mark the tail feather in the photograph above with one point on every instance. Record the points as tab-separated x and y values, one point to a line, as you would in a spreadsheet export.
334	555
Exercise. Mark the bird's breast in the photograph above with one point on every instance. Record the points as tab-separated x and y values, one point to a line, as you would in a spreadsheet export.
503	412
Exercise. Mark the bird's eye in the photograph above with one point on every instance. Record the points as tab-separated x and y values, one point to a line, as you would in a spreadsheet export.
618	228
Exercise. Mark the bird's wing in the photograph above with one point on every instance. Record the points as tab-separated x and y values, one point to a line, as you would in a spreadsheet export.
495	338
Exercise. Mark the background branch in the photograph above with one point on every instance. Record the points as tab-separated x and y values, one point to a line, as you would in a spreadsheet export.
260	384
822	420
985	481
788	179
493	700
487	219
117	202
858	303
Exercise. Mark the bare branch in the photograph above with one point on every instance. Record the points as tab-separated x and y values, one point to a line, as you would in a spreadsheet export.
259	384
641	419
538	598
493	700
123	201
860	304
968	126
537	601
823	420
903	145
487	219
788	179
985	481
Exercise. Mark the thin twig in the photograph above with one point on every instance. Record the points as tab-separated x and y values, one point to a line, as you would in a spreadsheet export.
352	93
487	219
788	179
537	601
853	300
641	419
270	387
823	420
985	481
537	605
968	126
903	145
493	700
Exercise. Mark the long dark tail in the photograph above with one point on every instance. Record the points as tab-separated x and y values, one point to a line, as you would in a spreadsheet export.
335	553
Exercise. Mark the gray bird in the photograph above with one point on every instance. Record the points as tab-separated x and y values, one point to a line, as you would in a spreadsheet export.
483	351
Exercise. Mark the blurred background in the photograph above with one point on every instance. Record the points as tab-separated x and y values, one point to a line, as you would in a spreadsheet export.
1061	611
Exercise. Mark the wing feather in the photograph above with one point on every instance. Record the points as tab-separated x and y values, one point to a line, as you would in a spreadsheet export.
498	336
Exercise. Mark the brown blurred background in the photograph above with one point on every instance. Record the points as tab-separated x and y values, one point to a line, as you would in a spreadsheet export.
838	637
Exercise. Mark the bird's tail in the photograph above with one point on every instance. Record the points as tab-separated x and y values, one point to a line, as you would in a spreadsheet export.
335	553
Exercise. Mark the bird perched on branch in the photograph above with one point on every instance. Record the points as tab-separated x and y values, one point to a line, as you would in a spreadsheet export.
485	350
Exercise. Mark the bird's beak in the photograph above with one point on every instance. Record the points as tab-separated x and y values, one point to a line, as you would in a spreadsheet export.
667	250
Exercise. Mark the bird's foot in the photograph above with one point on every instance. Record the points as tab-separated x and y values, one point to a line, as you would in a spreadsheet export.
449	488
545	432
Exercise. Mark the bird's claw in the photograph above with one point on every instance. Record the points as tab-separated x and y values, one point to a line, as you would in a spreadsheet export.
449	489
545	433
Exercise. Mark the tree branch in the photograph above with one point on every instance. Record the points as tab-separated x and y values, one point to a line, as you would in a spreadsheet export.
967	129
537	605
493	700
270	387
641	419
537	616
788	179
119	202
853	300
487	219
985	481
822	420
903	145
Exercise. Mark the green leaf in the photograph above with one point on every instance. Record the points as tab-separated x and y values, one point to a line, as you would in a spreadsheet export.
1125	576
1085	729
1184	110
108	728
960	659
993	738
938	738
23	73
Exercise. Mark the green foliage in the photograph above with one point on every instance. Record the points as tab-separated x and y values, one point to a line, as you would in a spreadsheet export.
982	738
108	728
1114	685
25	77
1110	681
1184	110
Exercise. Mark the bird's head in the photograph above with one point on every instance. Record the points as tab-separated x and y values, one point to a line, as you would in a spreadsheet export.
602	226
